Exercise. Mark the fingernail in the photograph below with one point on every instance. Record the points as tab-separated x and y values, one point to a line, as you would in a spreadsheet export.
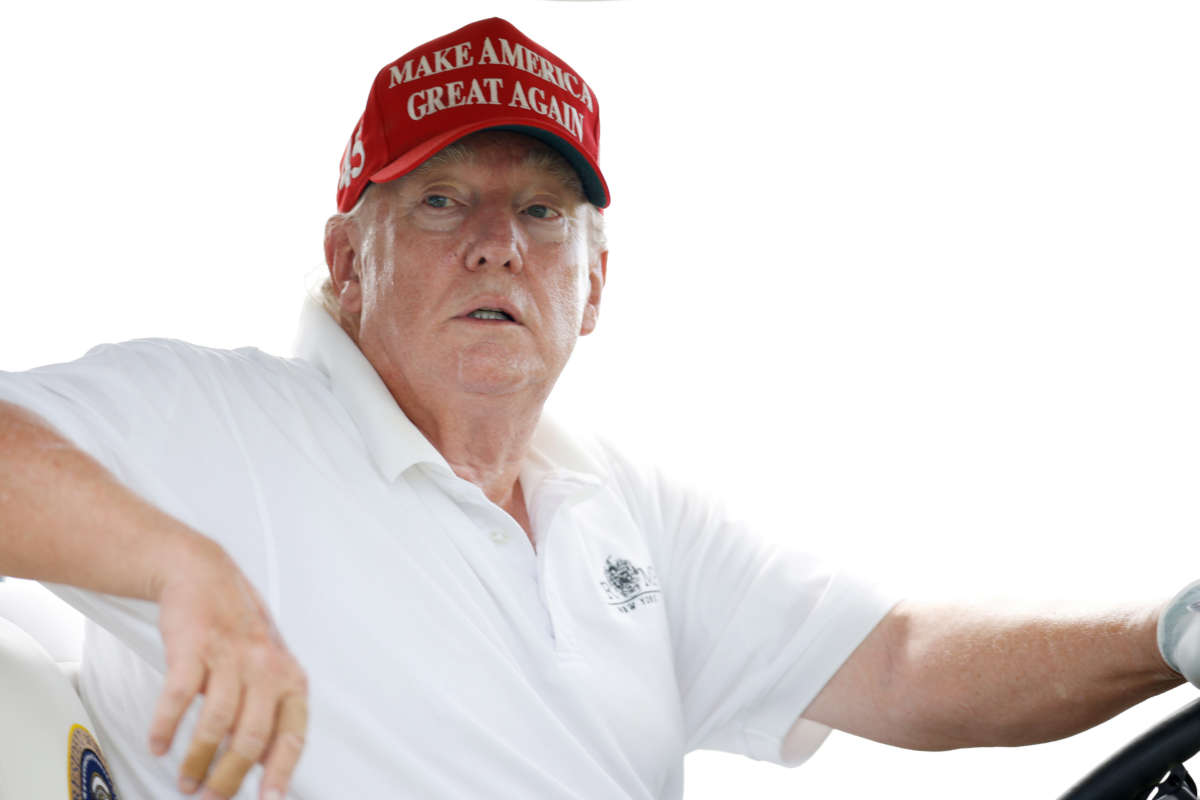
272	794
188	785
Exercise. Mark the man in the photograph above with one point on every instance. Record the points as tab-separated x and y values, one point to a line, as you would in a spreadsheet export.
381	555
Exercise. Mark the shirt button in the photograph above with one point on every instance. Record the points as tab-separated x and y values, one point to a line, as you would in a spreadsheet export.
499	537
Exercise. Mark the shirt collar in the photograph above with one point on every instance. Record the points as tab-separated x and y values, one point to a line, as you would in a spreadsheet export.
394	442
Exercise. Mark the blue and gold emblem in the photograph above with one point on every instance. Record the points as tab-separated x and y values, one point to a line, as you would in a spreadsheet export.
88	774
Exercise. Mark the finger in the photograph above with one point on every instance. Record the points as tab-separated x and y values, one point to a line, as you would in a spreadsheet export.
221	699
182	684
286	747
247	746
227	775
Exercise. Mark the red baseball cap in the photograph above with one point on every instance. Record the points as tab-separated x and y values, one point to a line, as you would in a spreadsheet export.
485	76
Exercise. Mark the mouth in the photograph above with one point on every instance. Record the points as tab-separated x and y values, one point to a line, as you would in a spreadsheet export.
493	314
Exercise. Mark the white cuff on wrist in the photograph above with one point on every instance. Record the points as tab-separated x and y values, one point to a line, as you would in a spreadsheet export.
1179	633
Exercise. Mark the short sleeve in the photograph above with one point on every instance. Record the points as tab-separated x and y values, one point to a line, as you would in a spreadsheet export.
116	404
757	628
112	403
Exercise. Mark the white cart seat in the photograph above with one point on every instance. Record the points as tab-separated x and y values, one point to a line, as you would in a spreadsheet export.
47	748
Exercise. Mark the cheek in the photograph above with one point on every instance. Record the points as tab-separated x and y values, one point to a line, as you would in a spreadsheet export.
568	298
374	281
582	287
391	285
372	255
577	285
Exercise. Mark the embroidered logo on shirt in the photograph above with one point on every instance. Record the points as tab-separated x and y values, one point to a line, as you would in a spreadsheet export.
629	587
86	770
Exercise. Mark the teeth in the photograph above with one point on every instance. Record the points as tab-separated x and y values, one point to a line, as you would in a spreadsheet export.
488	313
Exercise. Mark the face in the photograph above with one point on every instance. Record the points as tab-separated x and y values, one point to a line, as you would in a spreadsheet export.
471	274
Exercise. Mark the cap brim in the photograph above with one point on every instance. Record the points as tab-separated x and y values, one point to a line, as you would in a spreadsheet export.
594	186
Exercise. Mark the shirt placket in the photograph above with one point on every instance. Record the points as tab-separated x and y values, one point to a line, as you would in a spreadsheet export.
490	532
515	557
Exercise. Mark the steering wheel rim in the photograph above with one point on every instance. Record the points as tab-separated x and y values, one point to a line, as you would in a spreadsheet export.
1135	769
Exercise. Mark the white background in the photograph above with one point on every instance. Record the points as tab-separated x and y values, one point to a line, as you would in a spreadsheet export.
916	283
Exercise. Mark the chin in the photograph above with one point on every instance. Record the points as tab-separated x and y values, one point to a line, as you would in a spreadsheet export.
495	373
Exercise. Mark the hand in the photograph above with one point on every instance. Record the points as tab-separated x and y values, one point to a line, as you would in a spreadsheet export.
221	642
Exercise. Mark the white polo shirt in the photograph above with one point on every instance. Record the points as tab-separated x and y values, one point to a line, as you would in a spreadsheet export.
447	657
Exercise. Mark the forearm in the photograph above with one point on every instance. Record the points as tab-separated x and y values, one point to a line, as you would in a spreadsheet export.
977	677
65	519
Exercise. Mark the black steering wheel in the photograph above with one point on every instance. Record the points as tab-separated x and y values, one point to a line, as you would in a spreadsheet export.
1153	762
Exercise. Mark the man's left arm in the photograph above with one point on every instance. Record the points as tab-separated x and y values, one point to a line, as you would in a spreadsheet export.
941	677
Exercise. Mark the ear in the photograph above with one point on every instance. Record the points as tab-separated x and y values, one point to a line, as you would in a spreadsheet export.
597	274
341	256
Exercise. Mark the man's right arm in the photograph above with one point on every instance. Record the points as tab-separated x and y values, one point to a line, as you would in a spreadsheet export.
65	519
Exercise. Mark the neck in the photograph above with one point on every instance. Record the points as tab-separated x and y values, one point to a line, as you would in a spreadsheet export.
483	442
484	438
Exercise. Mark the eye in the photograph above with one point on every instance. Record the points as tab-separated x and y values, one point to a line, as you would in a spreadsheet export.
437	201
541	212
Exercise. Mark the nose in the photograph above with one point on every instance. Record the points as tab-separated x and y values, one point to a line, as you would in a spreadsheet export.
495	241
